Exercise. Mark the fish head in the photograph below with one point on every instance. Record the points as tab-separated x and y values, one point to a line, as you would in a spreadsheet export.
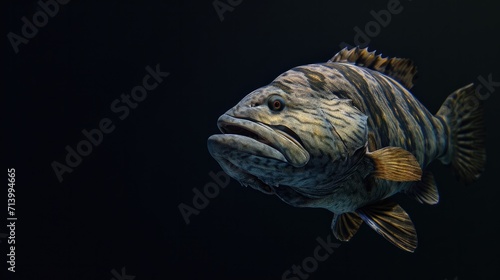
293	136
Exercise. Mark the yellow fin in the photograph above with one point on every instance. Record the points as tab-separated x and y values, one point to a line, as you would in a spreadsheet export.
395	164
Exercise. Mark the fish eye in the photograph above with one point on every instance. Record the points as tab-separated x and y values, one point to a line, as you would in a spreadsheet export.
275	103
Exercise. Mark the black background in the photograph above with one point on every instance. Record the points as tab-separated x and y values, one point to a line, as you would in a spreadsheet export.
119	207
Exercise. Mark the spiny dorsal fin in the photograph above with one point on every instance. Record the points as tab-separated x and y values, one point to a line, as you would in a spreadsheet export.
345	225
401	69
395	164
391	221
425	191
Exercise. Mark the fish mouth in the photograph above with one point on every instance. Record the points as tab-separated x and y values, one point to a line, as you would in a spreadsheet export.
272	141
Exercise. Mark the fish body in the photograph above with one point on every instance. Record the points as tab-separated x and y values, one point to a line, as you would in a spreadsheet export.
345	136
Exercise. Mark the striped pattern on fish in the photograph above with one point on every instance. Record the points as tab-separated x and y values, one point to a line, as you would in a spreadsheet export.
411	126
381	98
346	135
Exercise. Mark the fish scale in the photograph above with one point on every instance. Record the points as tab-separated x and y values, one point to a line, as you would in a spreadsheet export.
415	119
345	136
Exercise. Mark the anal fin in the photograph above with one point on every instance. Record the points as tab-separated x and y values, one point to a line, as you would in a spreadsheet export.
345	225
425	191
392	222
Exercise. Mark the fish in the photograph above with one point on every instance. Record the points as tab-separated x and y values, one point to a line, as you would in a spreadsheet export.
347	135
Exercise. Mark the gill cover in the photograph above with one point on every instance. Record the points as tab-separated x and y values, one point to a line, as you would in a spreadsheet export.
346	123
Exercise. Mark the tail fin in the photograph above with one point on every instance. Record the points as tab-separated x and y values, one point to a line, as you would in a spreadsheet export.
463	113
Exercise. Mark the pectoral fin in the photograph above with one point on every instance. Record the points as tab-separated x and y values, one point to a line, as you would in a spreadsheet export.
395	164
391	221
425	191
344	226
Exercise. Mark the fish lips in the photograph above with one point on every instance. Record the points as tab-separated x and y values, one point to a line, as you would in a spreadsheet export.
256	138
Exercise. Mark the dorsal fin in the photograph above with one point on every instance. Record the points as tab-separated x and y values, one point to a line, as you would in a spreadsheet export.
401	69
